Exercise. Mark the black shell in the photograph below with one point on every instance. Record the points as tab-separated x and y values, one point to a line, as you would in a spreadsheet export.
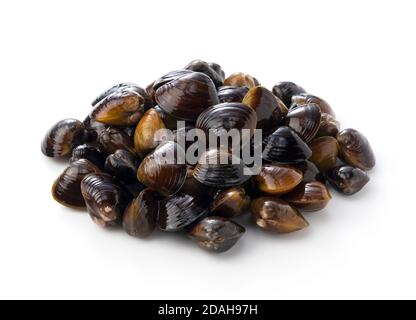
305	120
106	200
211	70
93	128
61	139
67	188
347	180
232	94
89	152
286	90
112	139
285	146
123	166
216	234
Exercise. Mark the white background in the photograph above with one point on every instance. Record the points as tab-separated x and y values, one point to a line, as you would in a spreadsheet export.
56	56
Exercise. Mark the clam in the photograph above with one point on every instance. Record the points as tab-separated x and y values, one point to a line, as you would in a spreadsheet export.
196	188
310	196
140	216
93	128
181	210
67	188
355	149
161	170
187	96
230	203
347	180
305	98
151	92
168	77
106	200
285	146
221	169
112	139
276	215
123	166
232	94
63	137
222	118
88	152
240	79
270	110
217	68
305	120
324	153
216	234
310	172
213	71
276	179
329	126
145	139
286	90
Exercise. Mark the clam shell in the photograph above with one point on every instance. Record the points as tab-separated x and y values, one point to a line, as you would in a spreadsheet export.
168	77
329	126
216	234
310	172
213	71
112	139
276	179
285	146
67	188
305	98
324	153
310	196
240	79
347	180
90	153
305	120
286	90
123	166
232	94
230	203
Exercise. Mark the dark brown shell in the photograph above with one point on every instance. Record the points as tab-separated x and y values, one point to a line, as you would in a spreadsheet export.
285	146
355	149
324	153
181	210
94	129
213	71
67	188
216	234
187	96
276	215
276	179
311	196
231	94
209	170
140	216
230	203
240	79
270	110
63	137
286	90
168	77
305	98
161	171
111	139
105	199
347	180
123	166
305	120
329	126
170	122
310	172
90	153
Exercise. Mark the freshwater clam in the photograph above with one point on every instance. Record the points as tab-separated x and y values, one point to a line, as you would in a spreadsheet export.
213	71
230	203
140	216
240	79
88	152
355	149
285	146
324	153
305	98
232	94
305	120
168	77
276	215
123	166
63	137
347	180
329	126
112	139
161	170
270	110
310	196
276	179
106	200
187	96
67	188
286	90
216	234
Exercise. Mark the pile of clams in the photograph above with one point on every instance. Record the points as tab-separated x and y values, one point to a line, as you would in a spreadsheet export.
118	169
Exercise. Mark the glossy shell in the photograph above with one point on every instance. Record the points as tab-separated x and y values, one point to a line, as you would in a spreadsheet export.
90	153
305	120
67	188
305	98
160	170
213	172
285	146
168	77
324	153
123	166
181	210
232	94
276	179
140	216
311	196
270	110
187	96
213	71
240	79
286	90
276	215
216	234
63	137
111	139
347	180
329	126
355	149
145	139
105	199
230	203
